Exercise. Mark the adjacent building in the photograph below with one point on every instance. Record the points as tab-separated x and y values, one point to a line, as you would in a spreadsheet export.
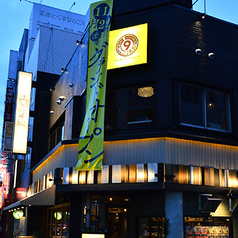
171	138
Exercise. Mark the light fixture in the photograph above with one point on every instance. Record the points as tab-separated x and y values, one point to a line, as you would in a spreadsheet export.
79	42
51	112
203	16
110	199
146	92
198	51
52	89
62	98
211	55
58	102
71	85
62	70
211	105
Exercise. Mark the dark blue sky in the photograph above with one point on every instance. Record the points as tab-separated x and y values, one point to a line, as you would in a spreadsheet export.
15	14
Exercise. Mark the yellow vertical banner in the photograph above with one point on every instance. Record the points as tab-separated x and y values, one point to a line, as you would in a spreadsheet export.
91	138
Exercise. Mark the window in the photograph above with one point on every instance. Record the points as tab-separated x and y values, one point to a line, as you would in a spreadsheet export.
135	106
202	107
56	136
152	227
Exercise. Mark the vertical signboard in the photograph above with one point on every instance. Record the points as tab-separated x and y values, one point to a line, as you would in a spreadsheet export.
8	136
22	113
9	101
92	133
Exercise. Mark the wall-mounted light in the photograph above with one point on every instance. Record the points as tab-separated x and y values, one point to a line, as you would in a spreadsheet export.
51	112
211	55
78	42
203	16
52	89
58	102
71	85
62	70
198	51
62	98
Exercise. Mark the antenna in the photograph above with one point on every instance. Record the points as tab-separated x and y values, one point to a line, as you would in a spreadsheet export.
205	9
40	1
72	6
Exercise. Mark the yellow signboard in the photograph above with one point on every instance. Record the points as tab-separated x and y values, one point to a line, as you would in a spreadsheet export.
127	46
91	138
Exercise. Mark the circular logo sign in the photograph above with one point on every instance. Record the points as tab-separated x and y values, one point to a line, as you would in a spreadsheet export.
18	214
58	215
127	45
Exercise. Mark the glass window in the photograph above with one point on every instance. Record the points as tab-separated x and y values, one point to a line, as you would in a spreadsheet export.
204	107
207	227
135	106
191	105
56	136
217	110
152	227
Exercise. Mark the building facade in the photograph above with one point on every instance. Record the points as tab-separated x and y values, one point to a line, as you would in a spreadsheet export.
171	138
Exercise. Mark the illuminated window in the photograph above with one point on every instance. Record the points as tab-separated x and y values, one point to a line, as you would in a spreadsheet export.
202	107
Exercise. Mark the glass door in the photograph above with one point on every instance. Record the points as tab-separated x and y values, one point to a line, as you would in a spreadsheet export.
117	222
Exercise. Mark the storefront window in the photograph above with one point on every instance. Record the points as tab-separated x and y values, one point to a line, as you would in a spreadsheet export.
152	227
207	227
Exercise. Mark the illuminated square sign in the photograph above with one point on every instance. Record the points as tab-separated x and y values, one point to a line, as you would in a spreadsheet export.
127	46
84	235
22	113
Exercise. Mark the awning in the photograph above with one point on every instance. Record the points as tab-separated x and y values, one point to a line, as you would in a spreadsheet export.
209	203
43	198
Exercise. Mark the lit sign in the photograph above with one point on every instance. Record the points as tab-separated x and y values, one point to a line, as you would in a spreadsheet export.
3	171
93	235
127	46
22	113
1	197
5	183
18	214
58	215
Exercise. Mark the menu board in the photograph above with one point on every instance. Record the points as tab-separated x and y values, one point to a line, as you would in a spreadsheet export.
206	232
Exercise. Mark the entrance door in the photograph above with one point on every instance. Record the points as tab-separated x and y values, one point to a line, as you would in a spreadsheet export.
117	222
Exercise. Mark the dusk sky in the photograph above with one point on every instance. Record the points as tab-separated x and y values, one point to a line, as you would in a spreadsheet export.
15	14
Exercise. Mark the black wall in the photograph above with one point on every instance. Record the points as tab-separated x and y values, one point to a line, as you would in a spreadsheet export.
45	81
173	35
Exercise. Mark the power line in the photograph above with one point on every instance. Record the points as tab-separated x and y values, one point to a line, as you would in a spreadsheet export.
27	1
195	2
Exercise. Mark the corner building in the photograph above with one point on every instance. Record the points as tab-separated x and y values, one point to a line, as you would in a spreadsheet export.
171	139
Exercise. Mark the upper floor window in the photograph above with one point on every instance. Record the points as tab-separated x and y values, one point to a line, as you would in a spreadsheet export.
132	107
203	107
